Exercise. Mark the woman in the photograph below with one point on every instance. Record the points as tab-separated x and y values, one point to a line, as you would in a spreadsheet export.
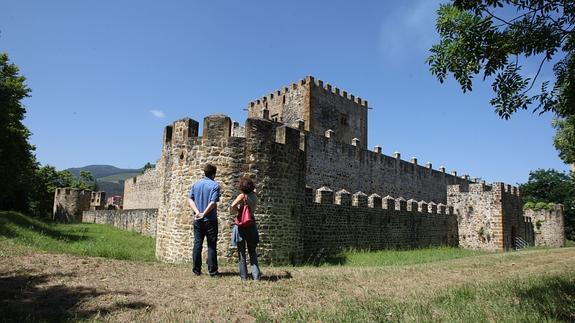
246	235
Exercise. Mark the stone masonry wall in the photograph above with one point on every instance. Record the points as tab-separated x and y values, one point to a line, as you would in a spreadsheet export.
142	221
332	109
69	204
286	106
370	222
185	156
489	217
143	191
335	164
549	226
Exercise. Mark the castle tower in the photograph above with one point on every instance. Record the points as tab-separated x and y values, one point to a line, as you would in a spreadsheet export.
320	107
97	200
278	169
69	204
548	226
489	217
269	154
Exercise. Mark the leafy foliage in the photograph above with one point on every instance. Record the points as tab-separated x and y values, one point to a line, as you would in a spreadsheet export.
564	139
147	166
551	186
478	38
17	162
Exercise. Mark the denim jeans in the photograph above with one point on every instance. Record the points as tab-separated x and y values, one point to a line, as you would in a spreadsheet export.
209	230
249	236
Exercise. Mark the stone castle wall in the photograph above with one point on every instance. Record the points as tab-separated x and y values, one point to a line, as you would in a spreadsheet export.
333	163
549	226
370	222
142	221
69	204
143	191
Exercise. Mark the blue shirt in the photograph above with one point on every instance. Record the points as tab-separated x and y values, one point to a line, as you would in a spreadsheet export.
202	193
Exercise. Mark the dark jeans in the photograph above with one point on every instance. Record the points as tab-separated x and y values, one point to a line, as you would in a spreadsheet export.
249	236
208	229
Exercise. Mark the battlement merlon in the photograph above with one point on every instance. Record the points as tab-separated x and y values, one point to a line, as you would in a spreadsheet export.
180	132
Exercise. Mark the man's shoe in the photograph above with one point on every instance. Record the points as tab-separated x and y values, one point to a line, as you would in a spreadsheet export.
214	275
196	273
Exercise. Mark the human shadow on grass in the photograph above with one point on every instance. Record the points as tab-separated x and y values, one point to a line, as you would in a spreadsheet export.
264	277
38	227
554	296
25	297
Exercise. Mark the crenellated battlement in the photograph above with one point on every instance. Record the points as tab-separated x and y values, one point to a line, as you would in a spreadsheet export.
300	86
325	195
359	169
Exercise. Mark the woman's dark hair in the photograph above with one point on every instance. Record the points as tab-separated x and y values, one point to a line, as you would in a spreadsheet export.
247	185
210	170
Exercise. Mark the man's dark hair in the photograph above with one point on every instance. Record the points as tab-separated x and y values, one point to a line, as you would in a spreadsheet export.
247	185
210	170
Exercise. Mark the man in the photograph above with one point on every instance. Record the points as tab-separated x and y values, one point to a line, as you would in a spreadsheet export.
203	198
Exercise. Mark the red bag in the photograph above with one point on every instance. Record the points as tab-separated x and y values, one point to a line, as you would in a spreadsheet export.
244	218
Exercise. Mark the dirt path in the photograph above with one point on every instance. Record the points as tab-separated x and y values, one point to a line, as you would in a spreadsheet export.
56	287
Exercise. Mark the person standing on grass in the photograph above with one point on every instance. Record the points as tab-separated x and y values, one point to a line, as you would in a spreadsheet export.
243	236
203	199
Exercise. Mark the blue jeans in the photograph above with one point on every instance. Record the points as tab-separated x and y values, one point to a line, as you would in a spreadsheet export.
250	238
209	230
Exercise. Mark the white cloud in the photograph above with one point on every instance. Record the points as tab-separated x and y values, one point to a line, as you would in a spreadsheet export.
158	113
408	30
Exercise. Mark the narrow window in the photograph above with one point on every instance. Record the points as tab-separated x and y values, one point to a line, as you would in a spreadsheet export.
343	119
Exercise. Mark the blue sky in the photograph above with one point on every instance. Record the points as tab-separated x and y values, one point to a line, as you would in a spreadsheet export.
107	76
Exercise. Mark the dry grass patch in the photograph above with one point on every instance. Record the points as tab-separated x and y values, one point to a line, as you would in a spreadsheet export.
116	290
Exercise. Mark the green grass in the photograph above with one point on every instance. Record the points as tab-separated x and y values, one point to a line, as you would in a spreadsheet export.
78	239
569	243
399	257
531	299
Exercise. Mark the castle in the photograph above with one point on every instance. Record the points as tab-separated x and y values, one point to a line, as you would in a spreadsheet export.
320	189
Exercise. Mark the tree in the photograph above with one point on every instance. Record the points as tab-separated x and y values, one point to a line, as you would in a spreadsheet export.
17	162
556	187
147	166
494	38
46	180
564	139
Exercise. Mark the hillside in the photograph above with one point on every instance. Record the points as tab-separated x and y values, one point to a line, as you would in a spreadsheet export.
110	178
100	171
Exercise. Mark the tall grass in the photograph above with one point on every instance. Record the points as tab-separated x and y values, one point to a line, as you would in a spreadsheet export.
79	239
382	258
532	299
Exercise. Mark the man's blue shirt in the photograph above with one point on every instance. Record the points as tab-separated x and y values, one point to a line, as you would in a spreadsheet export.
202	193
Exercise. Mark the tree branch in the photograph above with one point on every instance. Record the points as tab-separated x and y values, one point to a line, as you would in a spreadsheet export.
536	75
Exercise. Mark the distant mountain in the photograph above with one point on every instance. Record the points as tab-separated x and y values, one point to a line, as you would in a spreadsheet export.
110	178
99	171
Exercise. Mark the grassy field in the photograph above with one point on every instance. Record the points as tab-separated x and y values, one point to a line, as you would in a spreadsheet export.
78	239
441	284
